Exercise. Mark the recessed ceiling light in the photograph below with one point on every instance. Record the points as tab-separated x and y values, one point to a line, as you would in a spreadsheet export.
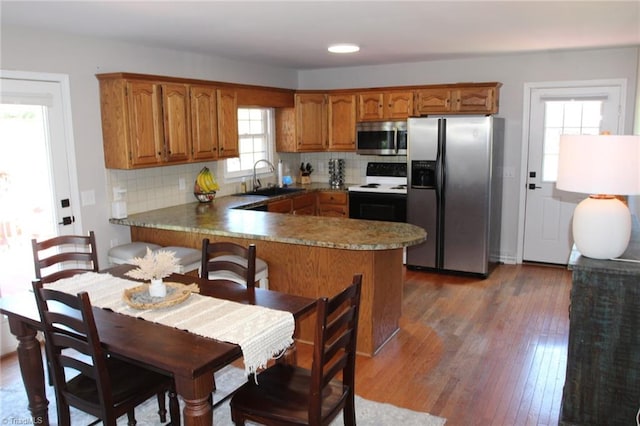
344	48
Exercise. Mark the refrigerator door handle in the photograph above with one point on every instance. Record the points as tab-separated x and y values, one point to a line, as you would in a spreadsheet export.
395	140
440	195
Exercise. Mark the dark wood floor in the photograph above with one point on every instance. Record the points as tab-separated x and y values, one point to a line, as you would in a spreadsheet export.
477	352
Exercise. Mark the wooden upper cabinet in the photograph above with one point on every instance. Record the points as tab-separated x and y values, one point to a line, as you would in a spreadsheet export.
370	106
214	123
227	124
143	135
342	122
311	121
377	106
458	99
398	105
204	123
480	99
177	123
148	121
433	101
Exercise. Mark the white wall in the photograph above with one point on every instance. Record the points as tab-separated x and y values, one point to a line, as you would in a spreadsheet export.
513	71
81	58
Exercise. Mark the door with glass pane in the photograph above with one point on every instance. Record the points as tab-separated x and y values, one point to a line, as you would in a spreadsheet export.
548	211
35	175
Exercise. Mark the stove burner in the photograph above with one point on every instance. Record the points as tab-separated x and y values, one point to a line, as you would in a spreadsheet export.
399	187
370	185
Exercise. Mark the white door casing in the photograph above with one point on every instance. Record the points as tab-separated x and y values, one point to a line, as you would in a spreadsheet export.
546	211
54	179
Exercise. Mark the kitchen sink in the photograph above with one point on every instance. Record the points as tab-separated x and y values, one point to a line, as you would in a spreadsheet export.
272	191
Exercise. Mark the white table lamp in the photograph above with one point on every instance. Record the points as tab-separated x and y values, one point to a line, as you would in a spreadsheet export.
603	166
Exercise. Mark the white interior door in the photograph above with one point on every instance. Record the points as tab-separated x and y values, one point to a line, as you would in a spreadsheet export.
581	109
38	184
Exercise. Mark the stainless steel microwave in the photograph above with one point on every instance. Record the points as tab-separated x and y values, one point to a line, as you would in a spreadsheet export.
381	138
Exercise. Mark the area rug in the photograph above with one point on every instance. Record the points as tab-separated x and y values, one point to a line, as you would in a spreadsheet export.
13	408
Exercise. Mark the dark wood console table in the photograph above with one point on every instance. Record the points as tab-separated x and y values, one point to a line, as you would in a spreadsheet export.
602	385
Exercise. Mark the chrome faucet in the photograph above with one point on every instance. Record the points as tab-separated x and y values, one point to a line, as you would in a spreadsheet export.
256	181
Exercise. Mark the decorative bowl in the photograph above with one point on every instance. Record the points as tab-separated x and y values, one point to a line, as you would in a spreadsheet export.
205	197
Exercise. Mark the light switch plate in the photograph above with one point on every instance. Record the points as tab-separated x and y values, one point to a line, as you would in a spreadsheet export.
88	198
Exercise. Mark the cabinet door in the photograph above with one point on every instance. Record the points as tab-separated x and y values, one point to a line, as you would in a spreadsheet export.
311	122
370	106
342	123
227	124
204	123
476	100
145	123
177	123
333	203
398	105
280	206
305	204
433	101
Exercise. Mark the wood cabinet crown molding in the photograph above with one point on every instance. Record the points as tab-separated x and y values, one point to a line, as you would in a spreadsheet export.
248	94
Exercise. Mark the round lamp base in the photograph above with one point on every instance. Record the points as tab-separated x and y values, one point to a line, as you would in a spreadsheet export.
601	227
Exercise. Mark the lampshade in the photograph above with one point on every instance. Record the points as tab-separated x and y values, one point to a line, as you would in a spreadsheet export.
605	164
602	166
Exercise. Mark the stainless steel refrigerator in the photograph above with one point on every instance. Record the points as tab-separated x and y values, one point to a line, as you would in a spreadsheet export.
454	193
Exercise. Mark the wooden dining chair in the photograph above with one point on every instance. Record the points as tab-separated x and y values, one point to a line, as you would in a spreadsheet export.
64	256
229	261
289	395
86	377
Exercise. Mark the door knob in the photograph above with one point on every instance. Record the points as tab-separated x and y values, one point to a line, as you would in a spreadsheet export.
67	220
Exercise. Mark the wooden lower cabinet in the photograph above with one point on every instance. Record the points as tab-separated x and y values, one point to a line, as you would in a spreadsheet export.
280	206
333	203
304	204
314	271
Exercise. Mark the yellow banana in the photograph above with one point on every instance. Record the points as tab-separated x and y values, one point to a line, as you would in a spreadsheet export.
210	181
206	181
201	182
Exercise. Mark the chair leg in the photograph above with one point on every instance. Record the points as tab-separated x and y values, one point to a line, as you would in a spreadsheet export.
174	409
64	417
162	408
349	411
131	417
237	418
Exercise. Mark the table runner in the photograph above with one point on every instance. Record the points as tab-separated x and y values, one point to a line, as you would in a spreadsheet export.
262	333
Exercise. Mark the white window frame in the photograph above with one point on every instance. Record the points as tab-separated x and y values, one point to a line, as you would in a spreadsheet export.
263	168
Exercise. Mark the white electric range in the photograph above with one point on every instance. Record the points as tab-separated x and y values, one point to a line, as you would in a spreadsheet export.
389	178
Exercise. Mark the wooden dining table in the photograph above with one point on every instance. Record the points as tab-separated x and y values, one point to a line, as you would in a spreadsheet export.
191	359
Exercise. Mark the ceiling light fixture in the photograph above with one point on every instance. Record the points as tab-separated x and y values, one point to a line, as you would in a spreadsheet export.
344	48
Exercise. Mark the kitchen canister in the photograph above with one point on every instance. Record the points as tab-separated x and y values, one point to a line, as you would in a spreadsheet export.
336	172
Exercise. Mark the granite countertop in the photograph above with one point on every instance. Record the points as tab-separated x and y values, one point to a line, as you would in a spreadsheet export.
227	216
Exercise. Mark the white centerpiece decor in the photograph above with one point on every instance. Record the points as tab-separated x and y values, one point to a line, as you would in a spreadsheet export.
153	267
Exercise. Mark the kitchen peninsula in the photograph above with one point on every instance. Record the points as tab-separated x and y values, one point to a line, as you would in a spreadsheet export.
311	256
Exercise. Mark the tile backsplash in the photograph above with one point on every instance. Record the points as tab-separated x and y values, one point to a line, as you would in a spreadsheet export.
158	187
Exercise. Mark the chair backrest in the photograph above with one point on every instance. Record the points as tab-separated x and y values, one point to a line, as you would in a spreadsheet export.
66	255
334	348
222	256
69	323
